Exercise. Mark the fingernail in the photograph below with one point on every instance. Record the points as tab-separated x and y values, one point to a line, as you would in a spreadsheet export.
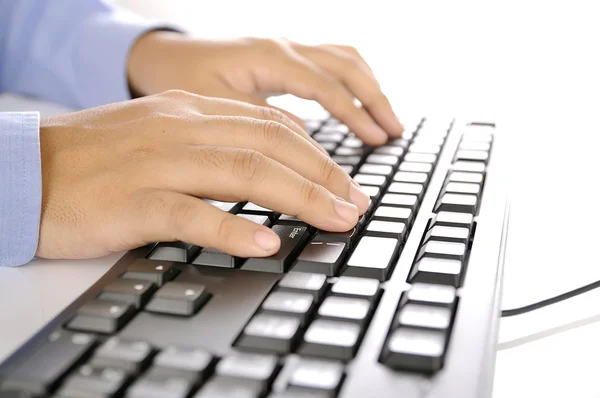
267	241
377	133
359	197
346	211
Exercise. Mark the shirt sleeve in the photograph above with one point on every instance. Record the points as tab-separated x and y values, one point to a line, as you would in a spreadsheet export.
20	187
70	52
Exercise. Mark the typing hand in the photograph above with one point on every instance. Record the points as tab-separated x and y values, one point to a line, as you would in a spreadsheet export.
252	69
127	174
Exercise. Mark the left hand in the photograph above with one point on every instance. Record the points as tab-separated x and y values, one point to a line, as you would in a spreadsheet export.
250	70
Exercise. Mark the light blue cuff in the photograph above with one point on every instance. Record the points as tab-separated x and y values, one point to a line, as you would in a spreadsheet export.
20	187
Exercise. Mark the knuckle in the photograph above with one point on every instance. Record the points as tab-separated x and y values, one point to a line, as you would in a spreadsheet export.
270	46
176	93
225	228
310	193
208	157
328	169
250	166
273	133
180	213
143	150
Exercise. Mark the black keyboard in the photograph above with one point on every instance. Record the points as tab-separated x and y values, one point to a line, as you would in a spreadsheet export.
406	304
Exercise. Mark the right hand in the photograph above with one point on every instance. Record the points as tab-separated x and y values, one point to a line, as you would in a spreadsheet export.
124	175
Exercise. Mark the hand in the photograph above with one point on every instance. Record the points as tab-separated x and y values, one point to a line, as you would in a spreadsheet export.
127	174
252	69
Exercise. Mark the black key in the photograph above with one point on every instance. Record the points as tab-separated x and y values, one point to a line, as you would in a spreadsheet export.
446	250
430	294
407	188
345	151
301	282
345	309
420	157
386	229
179	298
347	237
349	286
273	333
331	339
370	179
425	316
158	272
192	364
230	207
351	160
321	257
293	238
258	368
44	368
409	176
416	167
328	137
372	258
299	305
133	291
401	200
437	270
378	158
415	349
461	176
229	387
92	381
102	316
394	214
174	251
130	355
472	155
378	169
154	386
449	234
453	219
390	150
316	376
215	258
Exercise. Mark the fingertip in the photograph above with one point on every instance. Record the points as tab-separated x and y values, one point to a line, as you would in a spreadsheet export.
267	241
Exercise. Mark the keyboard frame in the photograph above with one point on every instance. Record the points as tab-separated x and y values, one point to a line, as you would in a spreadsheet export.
468	370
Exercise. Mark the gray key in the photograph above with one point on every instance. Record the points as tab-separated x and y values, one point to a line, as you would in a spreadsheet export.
461	176
379	169
215	258
437	270
317	375
312	125
448	234
329	146
403	200
158	272
395	214
463	165
272	333
453	219
299	305
133	291
386	229
378	158
220	386
414	349
425	316
259	368
91	381
129	355
409	176
345	309
174	251
302	282
390	150
179	298
430	294
363	288
416	167
459	203
320	257
345	151
192	364
153	386
368	179
352	142
372	258
331	339
420	157
406	188
102	316
350	160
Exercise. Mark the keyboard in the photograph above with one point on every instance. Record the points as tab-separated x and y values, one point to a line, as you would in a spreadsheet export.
406	304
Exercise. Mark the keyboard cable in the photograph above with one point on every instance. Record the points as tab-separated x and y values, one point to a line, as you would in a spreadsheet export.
553	300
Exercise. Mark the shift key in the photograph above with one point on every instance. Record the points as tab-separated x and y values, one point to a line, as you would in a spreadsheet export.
293	239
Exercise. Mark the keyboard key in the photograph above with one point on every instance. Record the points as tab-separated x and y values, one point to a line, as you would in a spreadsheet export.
273	333
378	158
321	257
476	167
468	155
329	146
102	316
287	219
479	134
257	368
368	179
441	249
174	251
386	229
293	238
253	208
44	367
158	272
192	364
415	349
352	142
345	151
136	292
449	234
390	150
347	168
425	148
92	381
372	258
301	282
437	270
329	137
425	316
331	339
312	125
345	309
316	376
129	355
459	203
461	176
154	386
348	286
372	191
406	188
474	146
453	219
228	387
420	157
215	258
299	305
402	200
257	218
416	167
430	294
337	128
462	187
179	298
395	214
347	237
349	160
408	176
379	169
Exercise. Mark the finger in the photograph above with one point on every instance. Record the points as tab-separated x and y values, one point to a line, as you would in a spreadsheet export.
351	51
298	76
277	142
351	72
163	216
239	175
